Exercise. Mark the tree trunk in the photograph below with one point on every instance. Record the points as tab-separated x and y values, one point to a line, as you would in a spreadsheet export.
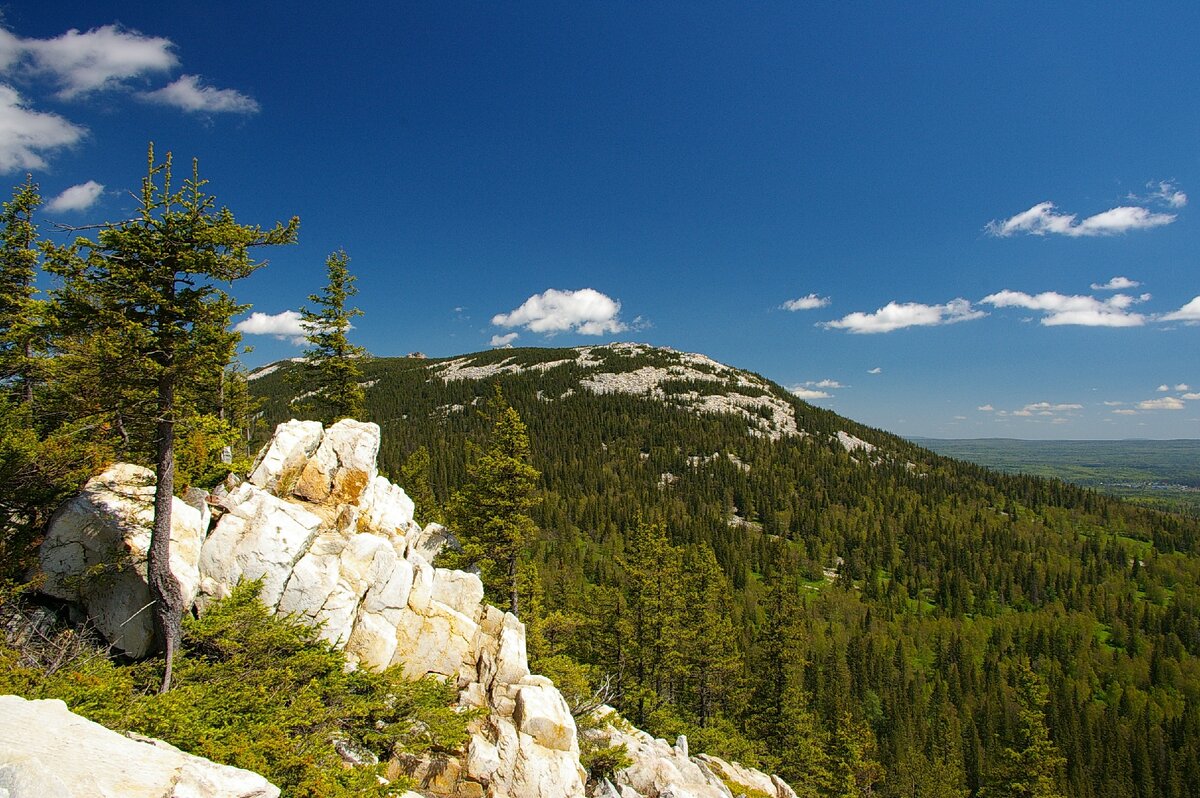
512	585
164	589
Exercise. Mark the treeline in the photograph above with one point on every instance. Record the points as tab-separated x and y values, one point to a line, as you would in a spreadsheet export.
889	623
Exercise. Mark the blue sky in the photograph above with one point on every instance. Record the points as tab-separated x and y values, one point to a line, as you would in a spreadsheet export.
943	219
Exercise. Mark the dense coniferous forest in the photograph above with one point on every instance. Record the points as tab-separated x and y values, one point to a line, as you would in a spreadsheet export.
863	619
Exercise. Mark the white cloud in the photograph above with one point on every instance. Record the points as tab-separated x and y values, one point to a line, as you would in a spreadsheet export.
1042	219
1125	412
1183	386
288	325
1063	309
26	135
1116	284
1165	192
985	408
1190	396
503	340
1113	404
1164	403
102	58
810	302
825	384
1163	388
897	316
586	311
808	393
1189	312
76	198
875	370
188	93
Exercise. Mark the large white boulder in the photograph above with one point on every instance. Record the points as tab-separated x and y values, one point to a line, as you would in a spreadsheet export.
543	714
343	467
46	751
280	462
94	554
261	537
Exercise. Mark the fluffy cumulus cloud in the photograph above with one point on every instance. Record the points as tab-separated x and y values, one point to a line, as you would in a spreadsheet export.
102	58
190	94
586	311
1043	219
898	315
824	384
1191	397
28	136
810	302
76	198
809	393
1116	284
1189	313
1163	403
876	370
1047	409
286	326
1060	309
504	340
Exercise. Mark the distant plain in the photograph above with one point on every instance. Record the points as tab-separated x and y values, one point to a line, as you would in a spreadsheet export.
1161	474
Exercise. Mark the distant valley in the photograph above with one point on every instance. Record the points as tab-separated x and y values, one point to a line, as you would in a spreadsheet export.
1162	474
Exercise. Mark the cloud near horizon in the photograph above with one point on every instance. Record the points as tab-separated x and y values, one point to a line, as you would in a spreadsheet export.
1163	403
504	340
76	198
286	326
899	315
808	393
1063	309
810	302
586	311
1043	219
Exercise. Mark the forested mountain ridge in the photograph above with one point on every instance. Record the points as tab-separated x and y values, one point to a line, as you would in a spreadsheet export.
882	617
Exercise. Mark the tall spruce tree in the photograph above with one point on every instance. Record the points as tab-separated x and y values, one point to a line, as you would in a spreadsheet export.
146	294
332	374
490	512
18	308
1032	768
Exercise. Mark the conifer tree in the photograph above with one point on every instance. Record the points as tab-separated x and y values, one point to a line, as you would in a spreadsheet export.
1030	770
490	512
414	478
332	373
18	308
146	294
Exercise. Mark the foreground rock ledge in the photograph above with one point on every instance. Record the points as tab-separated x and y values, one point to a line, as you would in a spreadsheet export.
47	751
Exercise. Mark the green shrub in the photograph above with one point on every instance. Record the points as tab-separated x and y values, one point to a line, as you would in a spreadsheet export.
261	692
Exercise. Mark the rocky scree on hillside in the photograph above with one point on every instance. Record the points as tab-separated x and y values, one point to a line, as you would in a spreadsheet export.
335	543
611	369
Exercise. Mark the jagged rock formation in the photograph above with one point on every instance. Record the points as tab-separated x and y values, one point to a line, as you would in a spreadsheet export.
335	543
46	751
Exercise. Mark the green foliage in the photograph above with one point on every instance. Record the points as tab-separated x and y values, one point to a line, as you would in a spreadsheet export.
414	478
261	692
331	371
490	512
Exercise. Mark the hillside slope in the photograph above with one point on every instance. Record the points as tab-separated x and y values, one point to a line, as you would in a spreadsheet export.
872	601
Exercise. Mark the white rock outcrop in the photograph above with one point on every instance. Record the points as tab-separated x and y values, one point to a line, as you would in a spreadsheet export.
47	751
94	554
335	543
